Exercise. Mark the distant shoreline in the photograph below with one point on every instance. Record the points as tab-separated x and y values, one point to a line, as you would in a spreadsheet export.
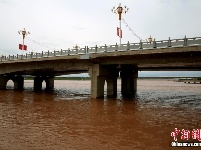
89	78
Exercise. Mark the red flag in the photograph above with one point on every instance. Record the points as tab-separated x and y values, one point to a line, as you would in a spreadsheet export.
119	32
22	48
25	47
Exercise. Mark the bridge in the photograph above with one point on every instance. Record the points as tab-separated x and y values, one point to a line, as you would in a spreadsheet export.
103	63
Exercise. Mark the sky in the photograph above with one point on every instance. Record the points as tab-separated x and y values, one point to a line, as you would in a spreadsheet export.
61	24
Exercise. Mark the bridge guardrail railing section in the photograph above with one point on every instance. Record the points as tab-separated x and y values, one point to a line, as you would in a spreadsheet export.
109	48
162	44
177	42
194	41
82	50
134	46
112	48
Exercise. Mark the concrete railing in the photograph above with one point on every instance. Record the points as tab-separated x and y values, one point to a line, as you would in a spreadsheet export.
110	48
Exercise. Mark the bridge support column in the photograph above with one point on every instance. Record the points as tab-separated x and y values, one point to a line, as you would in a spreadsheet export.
111	86
49	83
3	82
38	83
99	74
18	82
128	81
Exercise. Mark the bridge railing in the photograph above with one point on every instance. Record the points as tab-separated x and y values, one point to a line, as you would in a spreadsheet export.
109	48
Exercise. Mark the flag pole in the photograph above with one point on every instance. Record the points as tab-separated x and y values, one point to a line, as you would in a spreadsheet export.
23	44
120	33
119	10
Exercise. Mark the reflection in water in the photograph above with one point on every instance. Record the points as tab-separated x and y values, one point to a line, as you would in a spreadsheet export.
68	119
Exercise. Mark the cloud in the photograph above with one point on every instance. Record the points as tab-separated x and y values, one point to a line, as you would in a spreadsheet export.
64	23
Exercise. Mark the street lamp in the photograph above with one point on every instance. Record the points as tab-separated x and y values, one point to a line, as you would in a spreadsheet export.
120	10
24	33
76	46
150	39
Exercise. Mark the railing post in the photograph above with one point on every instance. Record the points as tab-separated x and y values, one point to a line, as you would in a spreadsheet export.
128	46
48	53
36	55
13	57
26	55
87	49
61	51
116	47
31	55
9	57
185	41
105	48
96	48
68	51
169	42
141	44
54	53
42	53
154	44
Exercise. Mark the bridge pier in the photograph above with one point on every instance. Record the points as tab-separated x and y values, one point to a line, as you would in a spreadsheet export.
39	80
38	83
111	86
49	83
99	74
128	81
18	82
3	82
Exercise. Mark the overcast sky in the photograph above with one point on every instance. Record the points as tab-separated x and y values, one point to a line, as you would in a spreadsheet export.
62	24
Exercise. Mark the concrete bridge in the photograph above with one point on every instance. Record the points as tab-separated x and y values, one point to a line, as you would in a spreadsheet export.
103	63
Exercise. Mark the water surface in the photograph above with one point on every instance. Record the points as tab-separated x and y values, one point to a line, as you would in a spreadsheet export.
68	118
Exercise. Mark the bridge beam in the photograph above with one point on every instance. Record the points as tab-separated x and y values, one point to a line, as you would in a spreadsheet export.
128	81
99	74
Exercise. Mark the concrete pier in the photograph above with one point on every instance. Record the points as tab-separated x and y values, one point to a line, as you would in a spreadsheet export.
3	82
38	83
109	73
129	77
128	81
17	80
39	80
49	83
111	86
99	74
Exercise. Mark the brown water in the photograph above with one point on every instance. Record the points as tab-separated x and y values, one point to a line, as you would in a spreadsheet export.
68	119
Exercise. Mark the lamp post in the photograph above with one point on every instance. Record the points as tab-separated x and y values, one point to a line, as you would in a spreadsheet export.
120	10
76	46
24	33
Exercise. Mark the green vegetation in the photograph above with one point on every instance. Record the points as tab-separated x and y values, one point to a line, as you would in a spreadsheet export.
63	78
72	78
